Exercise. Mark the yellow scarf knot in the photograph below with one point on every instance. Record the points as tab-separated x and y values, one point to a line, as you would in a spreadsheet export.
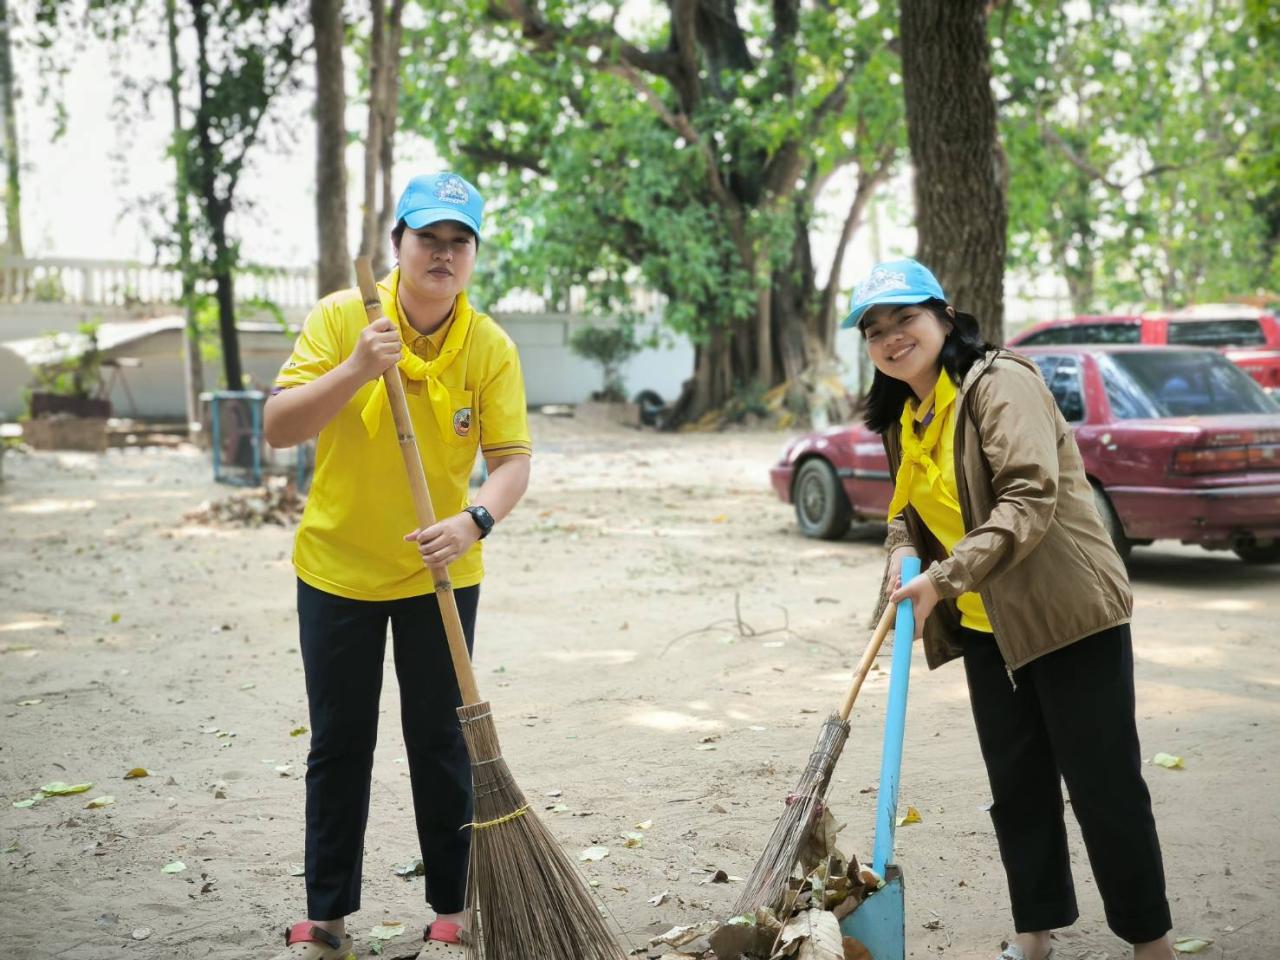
918	449
414	367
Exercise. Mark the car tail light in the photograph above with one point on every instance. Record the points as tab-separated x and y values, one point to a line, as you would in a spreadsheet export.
1234	459
1211	460
1264	456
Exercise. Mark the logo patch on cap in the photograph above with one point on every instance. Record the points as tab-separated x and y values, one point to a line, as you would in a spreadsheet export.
453	189
881	281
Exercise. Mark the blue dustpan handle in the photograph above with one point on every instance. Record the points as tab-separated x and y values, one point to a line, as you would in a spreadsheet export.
904	629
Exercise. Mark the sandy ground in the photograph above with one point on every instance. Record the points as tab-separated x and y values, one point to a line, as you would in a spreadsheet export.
128	639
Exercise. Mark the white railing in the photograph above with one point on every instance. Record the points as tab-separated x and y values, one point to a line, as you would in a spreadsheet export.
125	283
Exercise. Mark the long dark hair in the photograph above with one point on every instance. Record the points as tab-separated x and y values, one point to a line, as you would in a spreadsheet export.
963	347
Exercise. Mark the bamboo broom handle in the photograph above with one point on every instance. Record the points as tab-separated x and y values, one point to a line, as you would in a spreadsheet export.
426	516
868	657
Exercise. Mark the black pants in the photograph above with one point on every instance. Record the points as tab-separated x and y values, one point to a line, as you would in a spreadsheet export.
343	648
1071	717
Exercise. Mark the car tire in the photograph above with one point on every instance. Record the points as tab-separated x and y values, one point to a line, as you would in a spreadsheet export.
822	509
1115	530
1255	553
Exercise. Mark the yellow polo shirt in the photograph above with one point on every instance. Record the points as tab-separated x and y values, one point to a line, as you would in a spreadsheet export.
350	540
937	502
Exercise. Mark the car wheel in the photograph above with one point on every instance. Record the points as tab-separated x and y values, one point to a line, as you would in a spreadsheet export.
1258	553
1123	545
822	509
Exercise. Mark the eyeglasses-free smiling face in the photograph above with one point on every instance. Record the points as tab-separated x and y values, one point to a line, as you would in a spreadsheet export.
436	261
905	342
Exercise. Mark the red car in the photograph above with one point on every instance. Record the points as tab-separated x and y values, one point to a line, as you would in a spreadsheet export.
1247	336
1178	443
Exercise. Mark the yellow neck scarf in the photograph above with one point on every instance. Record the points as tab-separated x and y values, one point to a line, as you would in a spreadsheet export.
414	367
918	449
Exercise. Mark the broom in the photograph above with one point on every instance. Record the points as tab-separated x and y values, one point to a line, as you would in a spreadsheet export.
526	900
768	881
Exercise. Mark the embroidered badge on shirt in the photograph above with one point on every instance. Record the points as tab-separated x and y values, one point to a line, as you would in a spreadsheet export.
881	281
453	190
462	422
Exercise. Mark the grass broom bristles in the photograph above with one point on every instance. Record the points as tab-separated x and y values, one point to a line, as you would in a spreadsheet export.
768	881
526	899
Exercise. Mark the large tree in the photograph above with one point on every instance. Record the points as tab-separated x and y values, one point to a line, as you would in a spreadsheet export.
382	80
1142	149
245	55
9	139
961	213
684	152
334	271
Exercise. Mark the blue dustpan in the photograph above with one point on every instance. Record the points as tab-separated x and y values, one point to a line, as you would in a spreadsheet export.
880	922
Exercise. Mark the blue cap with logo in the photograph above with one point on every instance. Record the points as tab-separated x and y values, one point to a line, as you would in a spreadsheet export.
893	281
440	196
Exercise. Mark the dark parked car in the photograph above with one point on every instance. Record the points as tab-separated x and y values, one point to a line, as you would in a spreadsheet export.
1178	443
1247	336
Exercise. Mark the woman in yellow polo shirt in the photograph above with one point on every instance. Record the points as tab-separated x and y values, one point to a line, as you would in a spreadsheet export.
1022	582
360	565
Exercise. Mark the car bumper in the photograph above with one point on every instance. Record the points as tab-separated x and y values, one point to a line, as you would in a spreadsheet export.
780	476
1203	515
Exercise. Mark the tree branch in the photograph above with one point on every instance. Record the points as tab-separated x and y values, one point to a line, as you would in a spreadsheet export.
491	152
546	37
868	182
1052	138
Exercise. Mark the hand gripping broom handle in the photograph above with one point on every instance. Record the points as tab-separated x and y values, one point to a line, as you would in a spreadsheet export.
868	658
426	516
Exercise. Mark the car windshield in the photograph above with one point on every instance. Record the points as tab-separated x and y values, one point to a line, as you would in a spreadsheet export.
1217	333
1174	383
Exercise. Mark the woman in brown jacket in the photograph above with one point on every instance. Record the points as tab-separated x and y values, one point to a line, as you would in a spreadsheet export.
1023	583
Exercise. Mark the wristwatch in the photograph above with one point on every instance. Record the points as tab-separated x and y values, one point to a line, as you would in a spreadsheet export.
483	518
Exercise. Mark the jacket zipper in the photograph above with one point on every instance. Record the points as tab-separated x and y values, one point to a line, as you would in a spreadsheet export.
963	489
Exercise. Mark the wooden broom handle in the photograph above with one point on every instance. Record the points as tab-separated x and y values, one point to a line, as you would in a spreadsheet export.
426	516
868	657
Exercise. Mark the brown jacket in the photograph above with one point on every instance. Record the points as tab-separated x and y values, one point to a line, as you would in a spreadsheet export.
1034	549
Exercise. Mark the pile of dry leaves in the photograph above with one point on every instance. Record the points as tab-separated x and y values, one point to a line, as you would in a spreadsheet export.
279	502
826	888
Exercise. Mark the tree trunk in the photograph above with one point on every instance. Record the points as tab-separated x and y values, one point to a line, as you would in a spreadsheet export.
334	271
226	296
369	245
8	101
215	209
961	210
193	370
390	117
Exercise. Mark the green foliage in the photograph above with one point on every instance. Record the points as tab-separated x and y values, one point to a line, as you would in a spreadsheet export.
589	180
610	347
48	289
1141	145
79	375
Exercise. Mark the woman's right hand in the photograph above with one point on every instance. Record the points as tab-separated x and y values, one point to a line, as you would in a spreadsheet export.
894	580
377	349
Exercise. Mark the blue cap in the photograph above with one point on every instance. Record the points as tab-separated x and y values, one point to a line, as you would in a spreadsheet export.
440	196
893	281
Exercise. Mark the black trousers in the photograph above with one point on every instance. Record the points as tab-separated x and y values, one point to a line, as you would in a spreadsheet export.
343	648
1071	717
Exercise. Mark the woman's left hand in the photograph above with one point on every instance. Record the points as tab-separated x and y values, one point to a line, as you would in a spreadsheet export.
446	541
923	596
